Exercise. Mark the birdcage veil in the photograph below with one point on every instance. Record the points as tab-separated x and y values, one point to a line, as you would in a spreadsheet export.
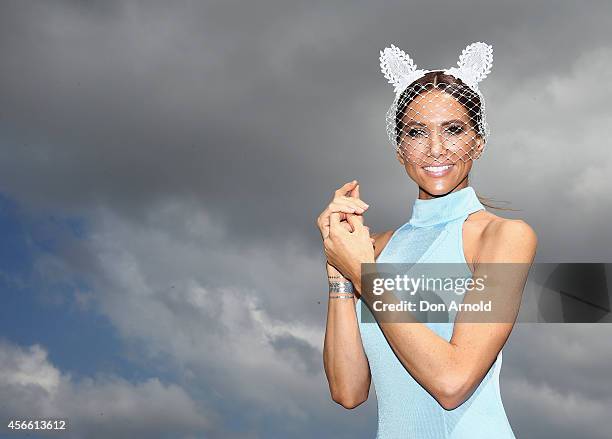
437	117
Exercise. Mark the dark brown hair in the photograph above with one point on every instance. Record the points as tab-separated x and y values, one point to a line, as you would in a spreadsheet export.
457	89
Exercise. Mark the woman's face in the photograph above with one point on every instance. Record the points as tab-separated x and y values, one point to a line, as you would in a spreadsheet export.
438	142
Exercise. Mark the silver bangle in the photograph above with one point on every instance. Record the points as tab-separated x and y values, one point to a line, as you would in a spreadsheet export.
342	296
341	287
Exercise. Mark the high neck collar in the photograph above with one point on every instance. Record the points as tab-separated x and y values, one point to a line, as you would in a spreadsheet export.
444	209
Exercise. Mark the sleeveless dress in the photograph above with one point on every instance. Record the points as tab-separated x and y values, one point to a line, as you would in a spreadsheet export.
405	409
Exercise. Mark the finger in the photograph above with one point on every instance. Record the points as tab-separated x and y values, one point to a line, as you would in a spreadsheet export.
324	217
349	205
341	207
349	226
356	221
355	192
352	201
325	231
334	220
344	212
358	196
346	226
346	188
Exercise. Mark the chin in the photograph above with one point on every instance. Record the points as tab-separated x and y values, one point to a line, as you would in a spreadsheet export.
438	188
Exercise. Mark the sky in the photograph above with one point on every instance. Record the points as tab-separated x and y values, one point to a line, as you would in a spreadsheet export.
162	168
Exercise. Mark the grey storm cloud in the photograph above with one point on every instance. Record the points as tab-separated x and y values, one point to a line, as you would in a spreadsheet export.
200	140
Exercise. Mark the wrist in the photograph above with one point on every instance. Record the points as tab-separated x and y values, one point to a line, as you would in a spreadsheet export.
340	288
355	275
332	272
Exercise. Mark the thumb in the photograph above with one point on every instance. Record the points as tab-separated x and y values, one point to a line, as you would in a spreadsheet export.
356	221
355	192
334	219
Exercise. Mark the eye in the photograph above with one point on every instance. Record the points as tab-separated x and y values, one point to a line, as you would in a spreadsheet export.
455	129
416	132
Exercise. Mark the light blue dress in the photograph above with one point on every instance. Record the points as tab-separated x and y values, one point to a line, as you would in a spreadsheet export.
405	408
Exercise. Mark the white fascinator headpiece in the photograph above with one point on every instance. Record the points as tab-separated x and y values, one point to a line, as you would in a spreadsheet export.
410	109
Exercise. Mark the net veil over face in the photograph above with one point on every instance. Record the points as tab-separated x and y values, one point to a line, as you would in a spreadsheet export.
438	117
436	124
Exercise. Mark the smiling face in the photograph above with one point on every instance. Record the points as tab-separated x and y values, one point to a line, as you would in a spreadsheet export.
437	140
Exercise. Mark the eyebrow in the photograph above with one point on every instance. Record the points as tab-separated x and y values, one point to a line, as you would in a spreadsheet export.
457	121
415	123
448	122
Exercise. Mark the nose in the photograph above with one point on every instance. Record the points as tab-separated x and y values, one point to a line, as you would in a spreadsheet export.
436	147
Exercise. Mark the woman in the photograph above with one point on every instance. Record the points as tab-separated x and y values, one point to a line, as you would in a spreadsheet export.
432	380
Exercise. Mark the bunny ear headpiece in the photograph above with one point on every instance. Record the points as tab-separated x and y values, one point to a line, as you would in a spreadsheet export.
474	65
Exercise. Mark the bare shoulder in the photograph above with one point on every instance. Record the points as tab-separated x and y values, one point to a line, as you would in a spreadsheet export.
380	241
510	240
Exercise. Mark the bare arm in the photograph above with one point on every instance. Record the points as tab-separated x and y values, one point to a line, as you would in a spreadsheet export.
346	365
451	371
345	362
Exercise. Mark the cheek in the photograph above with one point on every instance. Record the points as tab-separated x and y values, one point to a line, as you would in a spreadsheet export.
467	149
412	170
464	168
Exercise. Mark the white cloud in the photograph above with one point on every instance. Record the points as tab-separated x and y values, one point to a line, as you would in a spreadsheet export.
23	367
98	407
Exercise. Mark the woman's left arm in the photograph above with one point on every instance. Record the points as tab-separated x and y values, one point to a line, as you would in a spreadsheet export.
452	370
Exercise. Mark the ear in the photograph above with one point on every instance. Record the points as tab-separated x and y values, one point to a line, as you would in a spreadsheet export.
399	69
474	63
479	147
399	157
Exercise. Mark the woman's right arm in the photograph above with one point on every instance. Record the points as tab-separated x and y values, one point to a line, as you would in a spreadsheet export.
345	362
346	365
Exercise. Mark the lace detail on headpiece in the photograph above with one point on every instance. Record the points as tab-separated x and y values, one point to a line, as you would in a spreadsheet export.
398	68
474	65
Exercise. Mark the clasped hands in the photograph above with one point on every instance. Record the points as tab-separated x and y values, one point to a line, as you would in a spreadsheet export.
346	240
